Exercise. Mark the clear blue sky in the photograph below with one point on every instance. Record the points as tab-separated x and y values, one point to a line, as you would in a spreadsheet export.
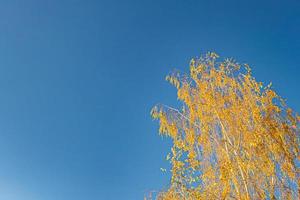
78	79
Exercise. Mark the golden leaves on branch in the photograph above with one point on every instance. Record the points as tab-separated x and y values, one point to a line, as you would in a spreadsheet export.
232	138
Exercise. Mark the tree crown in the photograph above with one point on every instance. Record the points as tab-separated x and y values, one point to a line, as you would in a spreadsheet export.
232	137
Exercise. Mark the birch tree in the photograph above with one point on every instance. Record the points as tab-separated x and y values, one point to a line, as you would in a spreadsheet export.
233	138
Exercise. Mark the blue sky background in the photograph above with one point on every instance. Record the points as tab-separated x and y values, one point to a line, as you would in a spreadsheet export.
78	79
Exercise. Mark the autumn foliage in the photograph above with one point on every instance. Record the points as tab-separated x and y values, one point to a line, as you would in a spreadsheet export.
232	138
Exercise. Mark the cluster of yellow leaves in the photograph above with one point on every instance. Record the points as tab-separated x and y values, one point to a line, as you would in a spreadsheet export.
232	139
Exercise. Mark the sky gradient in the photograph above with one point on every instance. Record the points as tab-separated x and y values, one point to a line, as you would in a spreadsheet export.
78	79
